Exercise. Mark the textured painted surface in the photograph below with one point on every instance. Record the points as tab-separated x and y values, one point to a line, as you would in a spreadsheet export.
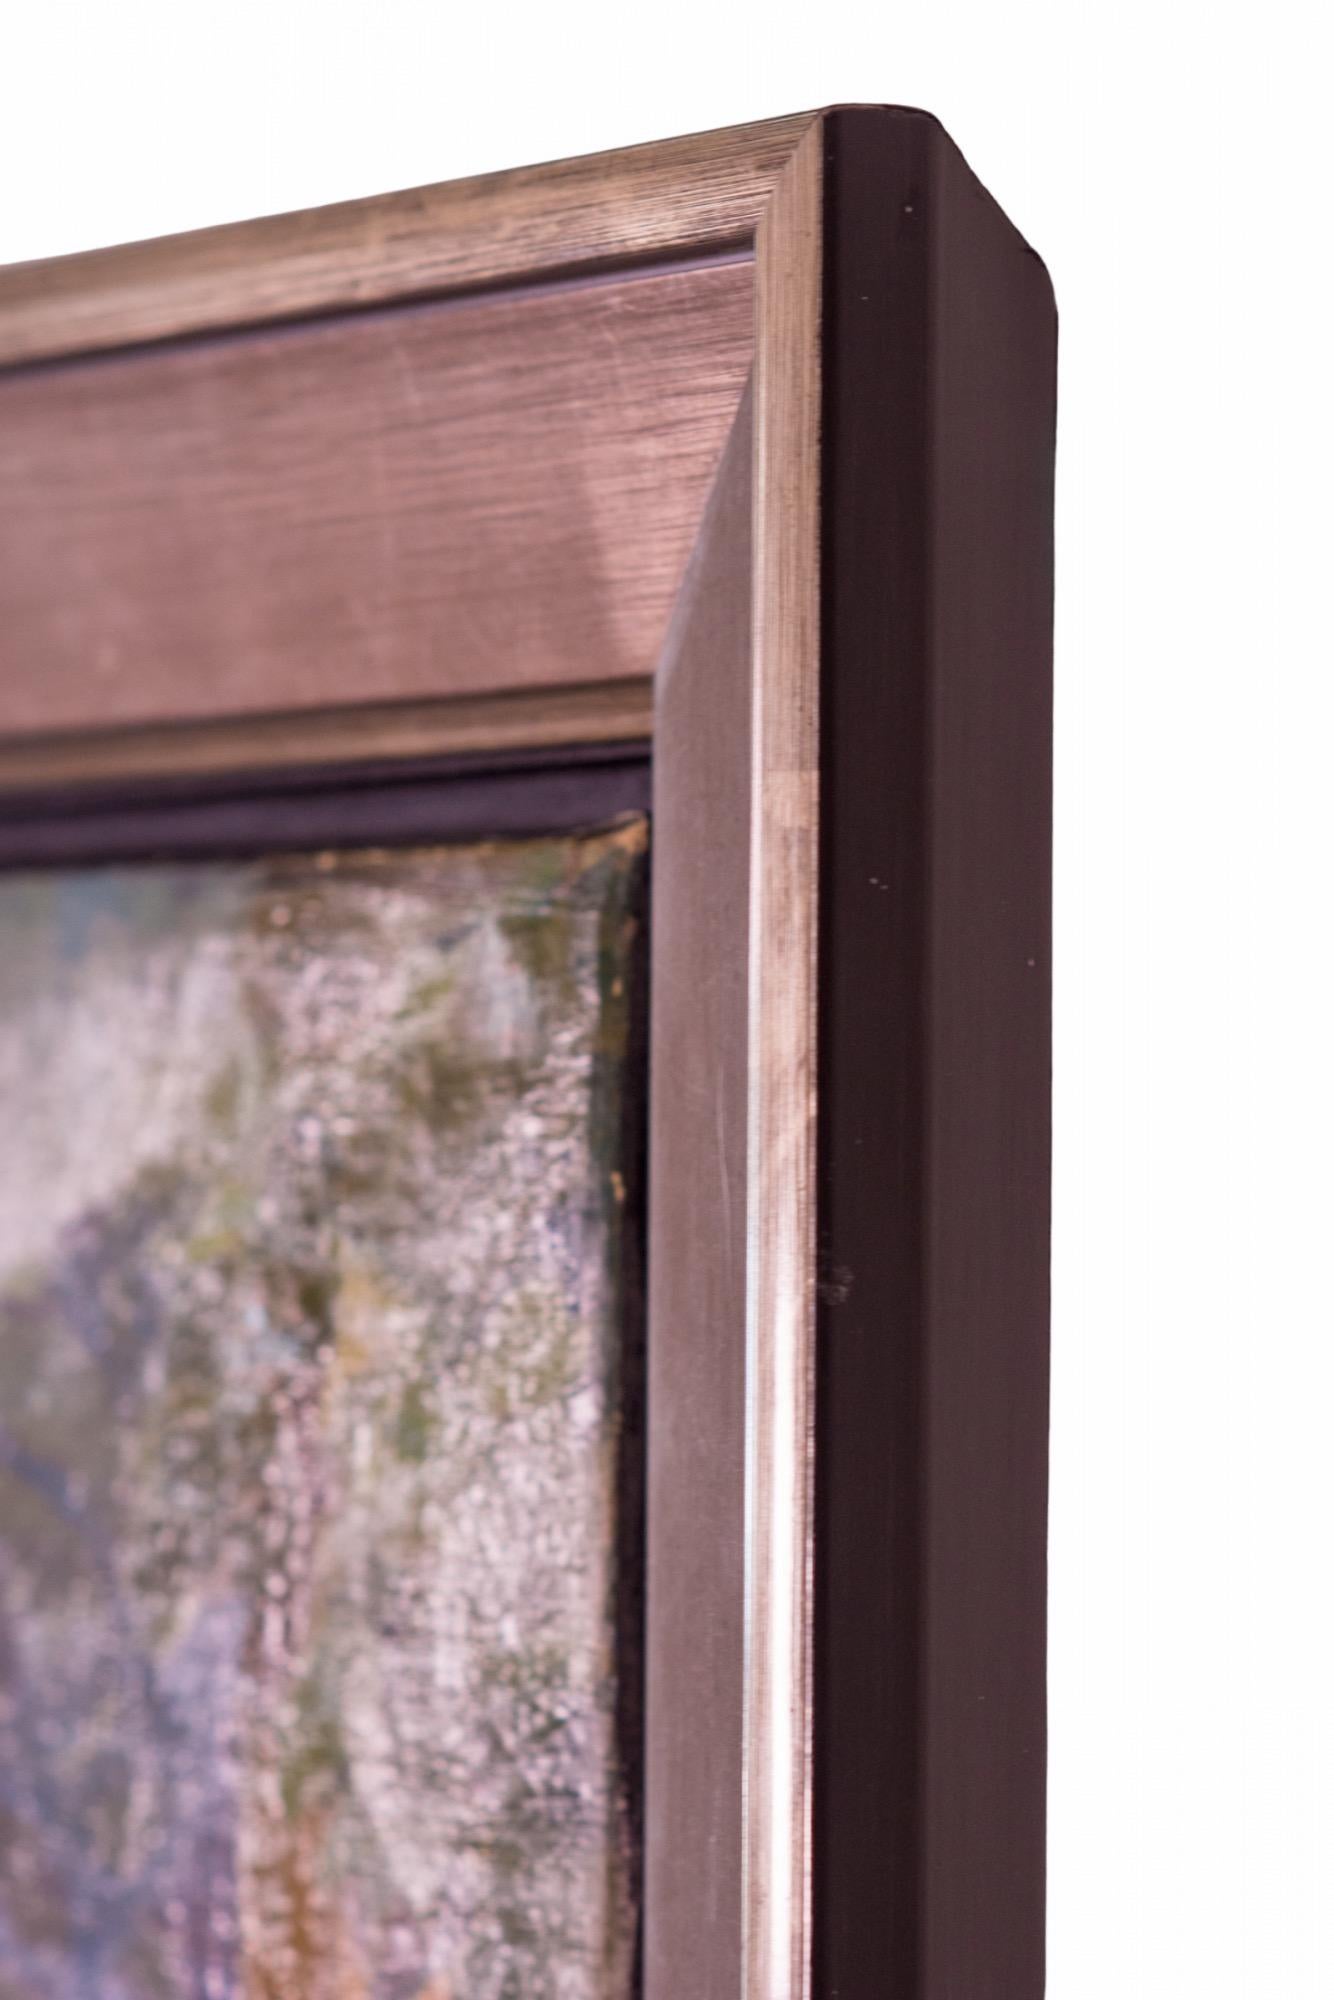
312	1427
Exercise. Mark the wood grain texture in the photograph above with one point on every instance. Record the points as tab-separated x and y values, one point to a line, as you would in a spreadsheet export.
679	197
443	500
389	733
698	1071
782	1065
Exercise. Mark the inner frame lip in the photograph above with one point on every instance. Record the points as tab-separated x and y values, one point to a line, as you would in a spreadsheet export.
472	795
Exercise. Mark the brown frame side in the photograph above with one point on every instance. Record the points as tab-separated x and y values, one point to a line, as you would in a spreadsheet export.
695	1652
933	1079
877	798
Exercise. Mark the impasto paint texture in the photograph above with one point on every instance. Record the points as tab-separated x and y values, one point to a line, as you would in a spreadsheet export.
316	1427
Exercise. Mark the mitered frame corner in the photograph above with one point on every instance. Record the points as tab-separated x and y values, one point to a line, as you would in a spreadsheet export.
841	659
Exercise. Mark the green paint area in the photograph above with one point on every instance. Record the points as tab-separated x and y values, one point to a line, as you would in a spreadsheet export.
313	1336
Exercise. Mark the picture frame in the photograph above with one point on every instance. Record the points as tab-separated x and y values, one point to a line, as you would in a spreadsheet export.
730	457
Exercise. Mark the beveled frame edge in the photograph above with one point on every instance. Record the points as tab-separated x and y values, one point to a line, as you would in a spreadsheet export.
676	198
387	732
783	1054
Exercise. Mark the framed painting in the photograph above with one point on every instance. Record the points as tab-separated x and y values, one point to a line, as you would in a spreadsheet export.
524	1037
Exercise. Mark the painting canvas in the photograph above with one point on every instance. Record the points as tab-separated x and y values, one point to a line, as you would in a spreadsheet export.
320	1425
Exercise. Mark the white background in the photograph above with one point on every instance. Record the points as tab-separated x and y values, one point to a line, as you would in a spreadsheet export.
1172	164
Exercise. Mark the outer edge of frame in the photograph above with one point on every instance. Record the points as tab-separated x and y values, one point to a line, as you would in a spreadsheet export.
933	1078
679	197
